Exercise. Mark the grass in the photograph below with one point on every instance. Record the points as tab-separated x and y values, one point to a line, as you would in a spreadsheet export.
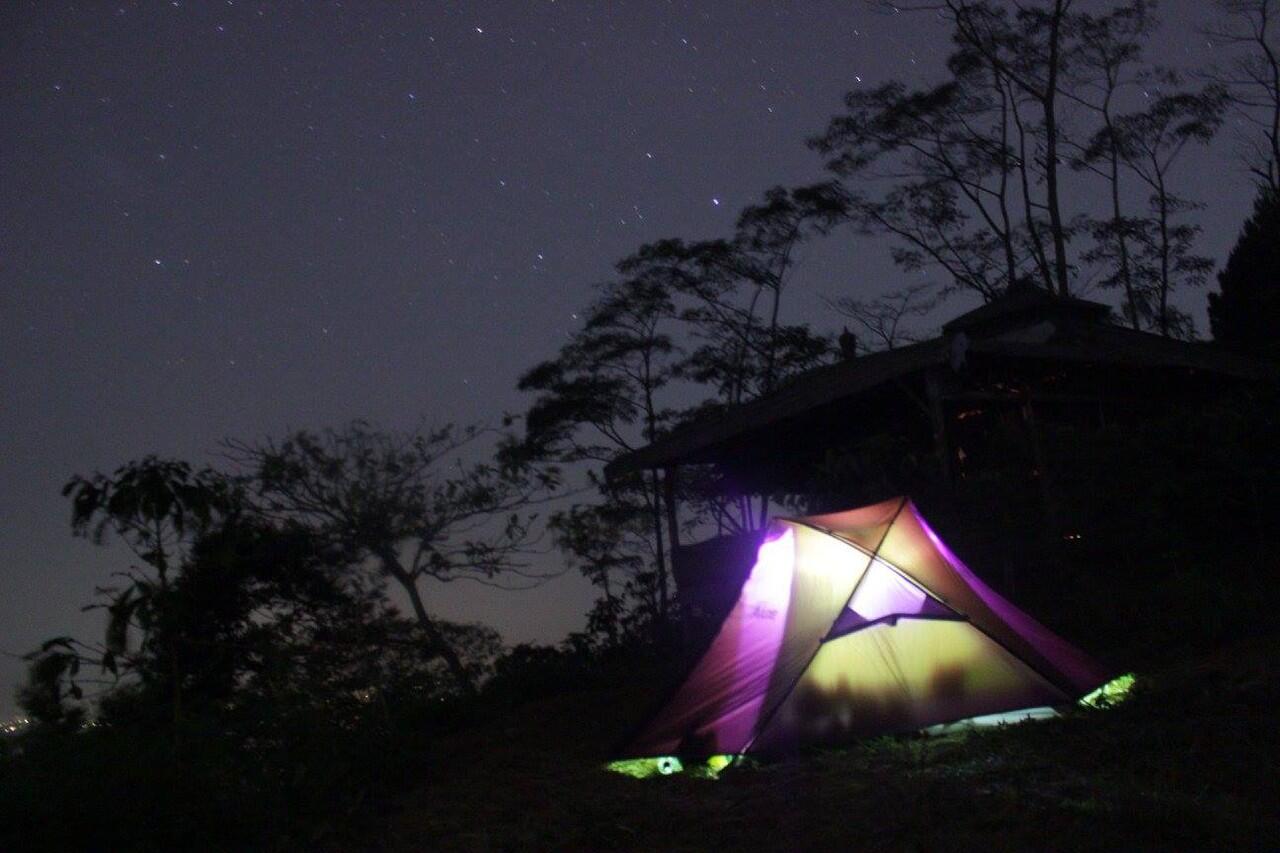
1186	763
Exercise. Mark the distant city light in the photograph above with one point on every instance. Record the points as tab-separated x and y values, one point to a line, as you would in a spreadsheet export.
15	725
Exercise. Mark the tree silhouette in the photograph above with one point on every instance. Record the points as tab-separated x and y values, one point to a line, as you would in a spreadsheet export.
947	156
402	504
1110	54
1149	143
1245	313
881	318
1252	80
622	381
1029	54
974	163
226	607
601	396
158	508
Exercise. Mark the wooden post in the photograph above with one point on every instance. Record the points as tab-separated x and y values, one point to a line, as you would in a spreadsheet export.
1050	527
1039	457
938	420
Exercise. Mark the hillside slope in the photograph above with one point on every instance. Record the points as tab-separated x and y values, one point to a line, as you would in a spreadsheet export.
1186	763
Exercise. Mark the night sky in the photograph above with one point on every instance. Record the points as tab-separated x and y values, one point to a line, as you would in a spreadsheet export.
231	219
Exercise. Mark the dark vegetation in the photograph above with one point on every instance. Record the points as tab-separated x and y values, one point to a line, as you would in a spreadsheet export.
1173	768
256	688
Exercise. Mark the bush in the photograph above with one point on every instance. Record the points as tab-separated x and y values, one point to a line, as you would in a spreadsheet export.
256	779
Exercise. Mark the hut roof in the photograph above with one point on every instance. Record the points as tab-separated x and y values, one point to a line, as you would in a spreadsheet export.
1021	326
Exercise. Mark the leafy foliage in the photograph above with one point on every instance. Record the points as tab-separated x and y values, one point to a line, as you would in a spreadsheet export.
1245	314
231	607
1148	143
600	397
1250	32
384	502
158	508
884	320
687	329
965	175
251	662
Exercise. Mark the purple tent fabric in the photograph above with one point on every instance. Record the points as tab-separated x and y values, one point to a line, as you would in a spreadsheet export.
928	560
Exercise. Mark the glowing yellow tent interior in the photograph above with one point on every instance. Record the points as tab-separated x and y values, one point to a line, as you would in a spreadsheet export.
860	623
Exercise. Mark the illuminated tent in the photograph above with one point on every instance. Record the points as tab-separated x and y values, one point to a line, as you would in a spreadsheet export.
860	623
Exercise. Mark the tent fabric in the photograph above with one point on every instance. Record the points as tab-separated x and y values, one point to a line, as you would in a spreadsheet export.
801	581
864	527
859	623
901	677
916	550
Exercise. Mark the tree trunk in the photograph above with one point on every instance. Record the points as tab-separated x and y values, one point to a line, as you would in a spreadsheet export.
770	355
659	548
1033	232
175	679
1117	219
1006	234
1051	153
1273	62
669	498
612	626
1163	198
391	563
